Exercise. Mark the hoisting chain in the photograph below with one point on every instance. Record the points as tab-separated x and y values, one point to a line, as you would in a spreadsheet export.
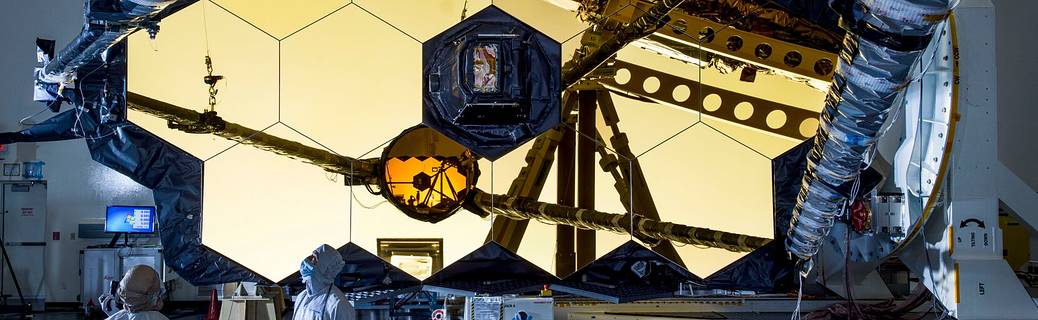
211	80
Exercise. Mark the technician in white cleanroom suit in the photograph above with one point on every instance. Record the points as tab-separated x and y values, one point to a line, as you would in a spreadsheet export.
140	291
322	300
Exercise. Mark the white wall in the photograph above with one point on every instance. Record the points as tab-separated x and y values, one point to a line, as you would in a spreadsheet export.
78	188
1017	80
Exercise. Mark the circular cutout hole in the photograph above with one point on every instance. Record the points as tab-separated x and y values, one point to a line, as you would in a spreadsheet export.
776	119
622	76
762	51
651	84
734	43
743	110
808	127
823	67
712	102
706	35
793	59
681	93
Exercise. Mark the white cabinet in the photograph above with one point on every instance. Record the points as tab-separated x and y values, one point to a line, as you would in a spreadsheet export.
24	236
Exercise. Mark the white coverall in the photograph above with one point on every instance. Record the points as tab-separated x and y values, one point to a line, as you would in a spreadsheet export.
322	300
143	315
140	291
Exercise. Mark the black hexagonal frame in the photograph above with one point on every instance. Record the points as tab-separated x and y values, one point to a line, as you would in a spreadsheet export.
518	98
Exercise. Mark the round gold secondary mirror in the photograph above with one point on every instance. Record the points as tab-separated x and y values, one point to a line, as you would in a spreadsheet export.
427	175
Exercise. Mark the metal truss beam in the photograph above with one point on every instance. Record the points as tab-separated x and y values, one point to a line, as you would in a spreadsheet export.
795	118
750	47
362	171
531	179
523	208
631	170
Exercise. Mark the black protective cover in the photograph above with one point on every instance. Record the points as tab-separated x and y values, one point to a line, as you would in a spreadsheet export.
630	272
528	101
491	269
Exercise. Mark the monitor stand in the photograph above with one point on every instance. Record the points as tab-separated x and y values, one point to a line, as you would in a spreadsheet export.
115	239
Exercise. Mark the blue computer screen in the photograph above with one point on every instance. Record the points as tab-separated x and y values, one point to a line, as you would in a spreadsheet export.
130	219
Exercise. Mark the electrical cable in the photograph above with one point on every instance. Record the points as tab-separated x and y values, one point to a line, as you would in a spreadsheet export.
23	120
800	296
854	308
81	109
205	27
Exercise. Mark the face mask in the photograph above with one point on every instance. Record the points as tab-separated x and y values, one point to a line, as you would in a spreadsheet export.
306	270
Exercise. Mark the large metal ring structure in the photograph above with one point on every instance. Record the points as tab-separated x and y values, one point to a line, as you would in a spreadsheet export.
927	151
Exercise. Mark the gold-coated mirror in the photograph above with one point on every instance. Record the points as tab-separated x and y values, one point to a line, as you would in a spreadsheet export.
427	175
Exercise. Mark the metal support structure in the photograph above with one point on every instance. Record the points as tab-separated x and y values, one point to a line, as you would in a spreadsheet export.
959	253
511	232
586	128
361	171
772	21
750	47
645	24
637	189
565	254
797	123
523	208
530	181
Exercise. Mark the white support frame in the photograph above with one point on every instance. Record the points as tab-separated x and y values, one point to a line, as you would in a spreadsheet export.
963	264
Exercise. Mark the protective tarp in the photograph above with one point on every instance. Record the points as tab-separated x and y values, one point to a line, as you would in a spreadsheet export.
491	269
765	270
56	128
363	272
491	83
883	43
787	171
629	273
174	175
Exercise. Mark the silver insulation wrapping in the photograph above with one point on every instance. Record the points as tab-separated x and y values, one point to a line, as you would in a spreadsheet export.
884	40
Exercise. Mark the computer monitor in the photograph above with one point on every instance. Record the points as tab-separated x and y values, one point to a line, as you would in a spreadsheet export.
130	219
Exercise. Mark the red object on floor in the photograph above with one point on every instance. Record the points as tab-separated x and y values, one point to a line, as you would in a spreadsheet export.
861	216
214	307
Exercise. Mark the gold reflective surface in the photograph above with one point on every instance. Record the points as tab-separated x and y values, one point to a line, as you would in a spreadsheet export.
267	211
351	81
427	175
